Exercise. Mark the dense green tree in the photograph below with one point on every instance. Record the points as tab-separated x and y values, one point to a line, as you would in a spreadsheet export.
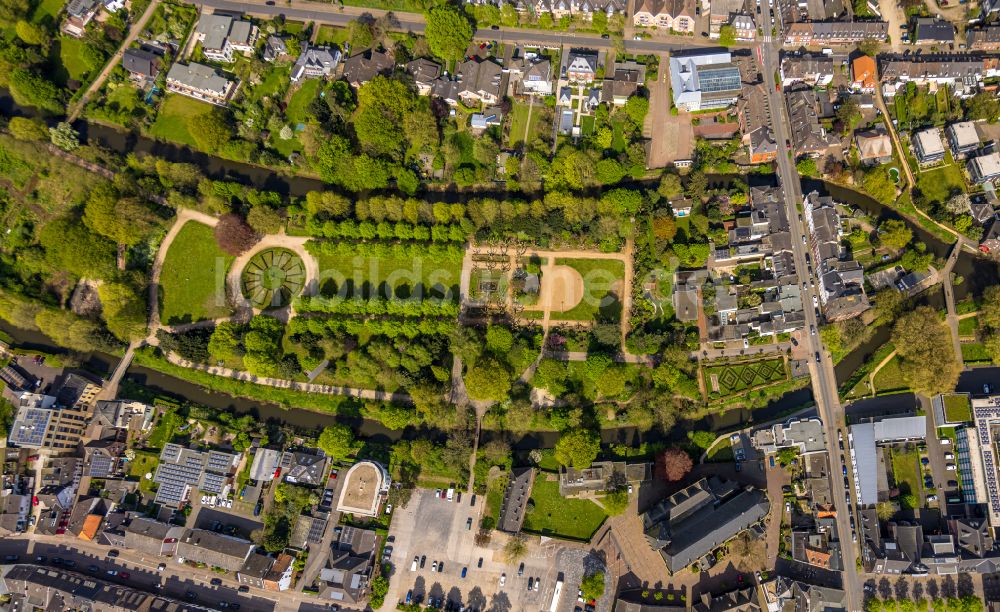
122	220
895	234
670	186
849	114
989	309
609	171
124	310
360	34
807	167
926	354
31	89
387	108
64	136
879	185
27	129
211	130
499	340
448	32
33	33
701	439
551	375
226	343
983	106
264	219
13	10
72	247
337	441
577	448
615	503
592	586
72	331
488	380
636	108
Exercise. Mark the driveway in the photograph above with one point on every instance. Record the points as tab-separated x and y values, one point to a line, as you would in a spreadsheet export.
671	137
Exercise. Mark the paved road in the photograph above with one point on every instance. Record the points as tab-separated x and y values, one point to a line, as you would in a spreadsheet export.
410	22
823	379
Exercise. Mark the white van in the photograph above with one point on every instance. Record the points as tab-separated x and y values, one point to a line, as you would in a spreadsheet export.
413	566
451	494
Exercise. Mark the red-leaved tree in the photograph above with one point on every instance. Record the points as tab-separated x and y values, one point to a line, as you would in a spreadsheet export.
673	464
233	235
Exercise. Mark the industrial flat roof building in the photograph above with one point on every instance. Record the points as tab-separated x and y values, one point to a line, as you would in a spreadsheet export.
704	80
182	469
865	438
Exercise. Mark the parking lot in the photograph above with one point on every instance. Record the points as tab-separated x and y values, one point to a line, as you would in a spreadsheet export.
436	532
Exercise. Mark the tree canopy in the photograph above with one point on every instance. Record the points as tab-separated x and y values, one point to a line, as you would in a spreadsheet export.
337	441
448	32
926	356
577	448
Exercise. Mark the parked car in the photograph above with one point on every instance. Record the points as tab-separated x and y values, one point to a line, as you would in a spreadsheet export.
932	498
423	560
531	583
465	571
93	568
950	467
952	483
468	524
216	582
503	579
924	461
949	456
161	567
243	589
520	570
388	508
480	563
434	566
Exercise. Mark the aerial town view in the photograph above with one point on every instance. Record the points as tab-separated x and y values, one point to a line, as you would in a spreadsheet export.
500	306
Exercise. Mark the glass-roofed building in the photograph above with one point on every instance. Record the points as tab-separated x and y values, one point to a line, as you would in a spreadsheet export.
704	81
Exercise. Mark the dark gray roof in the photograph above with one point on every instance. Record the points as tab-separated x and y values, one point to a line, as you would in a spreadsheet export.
515	499
138	61
935	30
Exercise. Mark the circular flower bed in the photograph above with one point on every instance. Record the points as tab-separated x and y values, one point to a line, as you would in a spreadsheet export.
272	278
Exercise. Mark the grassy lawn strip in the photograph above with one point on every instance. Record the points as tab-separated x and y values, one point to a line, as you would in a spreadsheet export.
554	515
600	301
174	117
519	121
975	352
890	378
437	275
957	408
906	470
46	9
191	273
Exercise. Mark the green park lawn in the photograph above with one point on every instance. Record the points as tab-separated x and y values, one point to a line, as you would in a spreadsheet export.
890	378
734	378
940	183
554	515
189	282
599	301
438	274
957	408
174	118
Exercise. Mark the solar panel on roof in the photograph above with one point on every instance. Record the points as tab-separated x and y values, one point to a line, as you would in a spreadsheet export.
712	80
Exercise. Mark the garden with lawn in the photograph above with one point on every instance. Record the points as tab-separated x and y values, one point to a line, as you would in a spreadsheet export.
551	514
975	352
941	183
734	378
968	326
602	285
145	462
175	116
906	472
193	277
